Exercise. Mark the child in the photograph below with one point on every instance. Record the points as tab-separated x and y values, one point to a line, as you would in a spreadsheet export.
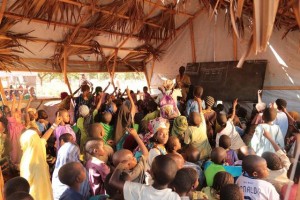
42	122
135	170
72	174
64	138
180	125
183	183
15	128
163	171
220	180
146	96
242	153
254	187
281	118
177	158
108	129
192	105
97	169
173	145
294	187
278	163
228	128
83	99
218	156
16	184
261	144
196	132
160	128
225	143
63	127
210	118
231	192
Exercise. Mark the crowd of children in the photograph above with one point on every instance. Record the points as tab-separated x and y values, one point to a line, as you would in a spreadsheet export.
174	146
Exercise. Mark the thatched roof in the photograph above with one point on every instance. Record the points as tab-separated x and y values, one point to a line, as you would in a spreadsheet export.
106	35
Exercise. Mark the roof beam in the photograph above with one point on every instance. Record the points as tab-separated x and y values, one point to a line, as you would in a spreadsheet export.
177	32
64	25
3	6
104	11
164	8
4	37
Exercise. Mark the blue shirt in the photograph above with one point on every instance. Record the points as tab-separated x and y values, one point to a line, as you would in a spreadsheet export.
71	194
191	106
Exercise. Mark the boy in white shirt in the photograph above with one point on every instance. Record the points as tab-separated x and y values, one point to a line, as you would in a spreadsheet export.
278	163
261	144
254	188
163	172
228	128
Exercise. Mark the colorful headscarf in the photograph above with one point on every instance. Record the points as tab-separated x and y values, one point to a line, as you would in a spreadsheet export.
157	123
179	126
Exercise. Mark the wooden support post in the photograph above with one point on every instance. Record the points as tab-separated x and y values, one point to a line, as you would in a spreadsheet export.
2	10
151	72
147	76
194	58
3	96
65	60
234	38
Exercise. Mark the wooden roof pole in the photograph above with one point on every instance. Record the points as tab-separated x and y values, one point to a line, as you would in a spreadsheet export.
104	11
65	60
120	44
178	30
4	100
194	58
70	26
2	10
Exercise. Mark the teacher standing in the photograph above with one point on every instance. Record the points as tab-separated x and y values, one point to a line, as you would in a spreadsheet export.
183	82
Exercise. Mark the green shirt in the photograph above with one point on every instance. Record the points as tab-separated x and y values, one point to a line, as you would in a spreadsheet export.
211	171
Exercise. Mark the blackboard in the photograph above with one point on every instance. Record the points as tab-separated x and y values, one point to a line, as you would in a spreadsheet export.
223	81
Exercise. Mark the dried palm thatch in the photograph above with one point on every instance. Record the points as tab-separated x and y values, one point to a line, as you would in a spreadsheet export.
133	9
10	49
166	21
151	51
51	10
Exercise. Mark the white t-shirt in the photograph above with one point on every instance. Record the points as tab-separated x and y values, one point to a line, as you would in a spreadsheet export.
260	144
236	140
282	121
256	189
137	191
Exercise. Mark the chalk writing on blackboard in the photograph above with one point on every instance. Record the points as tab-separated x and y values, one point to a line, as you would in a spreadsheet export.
215	75
192	68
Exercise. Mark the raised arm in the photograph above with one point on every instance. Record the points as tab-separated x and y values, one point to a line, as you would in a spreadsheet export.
100	101
115	177
141	144
20	102
27	119
199	101
132	109
288	115
49	132
13	104
233	109
259	92
106	87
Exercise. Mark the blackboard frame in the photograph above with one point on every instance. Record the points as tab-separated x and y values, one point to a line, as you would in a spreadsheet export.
225	82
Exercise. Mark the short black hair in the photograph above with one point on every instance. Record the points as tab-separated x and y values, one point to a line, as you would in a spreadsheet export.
218	155
225	142
67	173
249	163
273	161
42	114
245	151
198	91
163	169
231	192
221	179
171	143
269	114
16	184
20	196
222	119
281	103
182	181
66	137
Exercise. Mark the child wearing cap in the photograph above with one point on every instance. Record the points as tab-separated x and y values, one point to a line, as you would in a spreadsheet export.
210	118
